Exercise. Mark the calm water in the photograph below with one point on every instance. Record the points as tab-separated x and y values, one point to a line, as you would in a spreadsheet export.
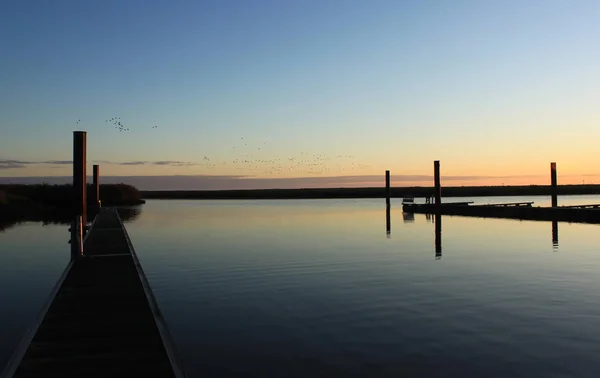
319	288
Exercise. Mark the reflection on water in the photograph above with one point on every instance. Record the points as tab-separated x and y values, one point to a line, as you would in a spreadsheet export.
438	236
408	217
436	219
312	288
59	217
388	221
130	213
555	235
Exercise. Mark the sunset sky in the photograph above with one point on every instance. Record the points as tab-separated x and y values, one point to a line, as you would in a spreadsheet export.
297	93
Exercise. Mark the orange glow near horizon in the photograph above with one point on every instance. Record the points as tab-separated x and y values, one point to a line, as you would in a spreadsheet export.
357	177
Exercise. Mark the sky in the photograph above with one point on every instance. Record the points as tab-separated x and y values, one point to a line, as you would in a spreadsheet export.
299	93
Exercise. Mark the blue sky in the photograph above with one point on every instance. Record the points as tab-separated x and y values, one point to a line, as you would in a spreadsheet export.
490	88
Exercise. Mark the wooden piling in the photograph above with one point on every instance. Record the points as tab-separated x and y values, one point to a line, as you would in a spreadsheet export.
554	234
553	183
437	183
80	175
388	189
97	186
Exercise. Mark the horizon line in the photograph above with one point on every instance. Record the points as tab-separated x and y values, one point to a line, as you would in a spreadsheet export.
242	182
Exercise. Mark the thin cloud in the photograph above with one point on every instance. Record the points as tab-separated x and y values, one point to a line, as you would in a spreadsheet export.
10	161
173	163
27	162
4	165
133	163
55	162
14	163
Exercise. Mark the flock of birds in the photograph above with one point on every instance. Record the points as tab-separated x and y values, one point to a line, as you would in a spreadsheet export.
117	124
116	121
250	157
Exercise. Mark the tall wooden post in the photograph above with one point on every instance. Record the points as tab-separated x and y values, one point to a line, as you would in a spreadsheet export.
388	190
97	186
438	185
553	183
80	175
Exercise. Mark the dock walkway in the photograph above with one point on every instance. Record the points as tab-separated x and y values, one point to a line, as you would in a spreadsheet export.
102	319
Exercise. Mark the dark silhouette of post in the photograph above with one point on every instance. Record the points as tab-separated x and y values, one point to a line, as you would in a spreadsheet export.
554	234
97	186
553	183
438	236
79	175
388	190
388	221
436	180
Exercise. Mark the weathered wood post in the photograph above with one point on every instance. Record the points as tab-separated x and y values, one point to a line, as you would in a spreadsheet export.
388	189
80	175
553	183
97	186
438	185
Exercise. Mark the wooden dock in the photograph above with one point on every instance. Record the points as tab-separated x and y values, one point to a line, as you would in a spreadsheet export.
517	210
101	319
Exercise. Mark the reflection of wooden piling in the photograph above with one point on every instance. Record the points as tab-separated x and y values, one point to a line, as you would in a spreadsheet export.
388	222
555	234
553	183
79	175
388	189
438	185
76	238
97	186
438	235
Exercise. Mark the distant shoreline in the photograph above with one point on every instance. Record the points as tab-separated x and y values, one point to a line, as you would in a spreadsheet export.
378	192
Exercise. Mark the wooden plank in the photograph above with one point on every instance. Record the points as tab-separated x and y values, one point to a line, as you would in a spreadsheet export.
102	321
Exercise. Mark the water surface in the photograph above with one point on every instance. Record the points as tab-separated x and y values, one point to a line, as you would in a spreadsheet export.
320	288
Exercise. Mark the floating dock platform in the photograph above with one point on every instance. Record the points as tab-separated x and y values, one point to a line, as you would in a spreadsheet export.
515	210
101	319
